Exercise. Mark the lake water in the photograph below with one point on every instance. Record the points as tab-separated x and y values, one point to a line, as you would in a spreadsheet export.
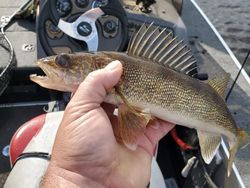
232	19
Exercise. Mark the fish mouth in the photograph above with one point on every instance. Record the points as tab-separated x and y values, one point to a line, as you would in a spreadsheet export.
37	78
42	78
53	78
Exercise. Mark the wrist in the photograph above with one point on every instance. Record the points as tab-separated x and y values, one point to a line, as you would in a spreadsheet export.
58	177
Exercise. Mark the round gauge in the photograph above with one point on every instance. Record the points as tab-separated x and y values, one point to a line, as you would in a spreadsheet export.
99	3
63	7
53	31
110	26
82	3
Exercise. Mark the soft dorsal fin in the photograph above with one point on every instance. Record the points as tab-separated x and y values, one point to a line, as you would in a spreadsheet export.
160	46
219	84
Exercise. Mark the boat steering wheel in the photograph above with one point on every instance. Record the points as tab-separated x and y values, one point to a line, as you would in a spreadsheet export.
74	26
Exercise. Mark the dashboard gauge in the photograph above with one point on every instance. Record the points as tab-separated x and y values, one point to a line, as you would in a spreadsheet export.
63	7
99	3
53	31
82	3
110	26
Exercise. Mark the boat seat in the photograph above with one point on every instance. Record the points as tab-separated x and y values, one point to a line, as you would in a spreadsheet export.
23	135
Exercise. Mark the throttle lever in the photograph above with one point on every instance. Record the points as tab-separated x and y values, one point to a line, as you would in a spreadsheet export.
83	28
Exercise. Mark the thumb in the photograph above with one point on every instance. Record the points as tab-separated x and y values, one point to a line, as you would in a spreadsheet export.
92	91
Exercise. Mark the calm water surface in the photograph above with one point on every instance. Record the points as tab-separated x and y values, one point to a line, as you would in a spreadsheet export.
232	19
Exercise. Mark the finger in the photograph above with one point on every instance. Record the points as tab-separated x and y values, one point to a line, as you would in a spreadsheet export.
93	89
155	131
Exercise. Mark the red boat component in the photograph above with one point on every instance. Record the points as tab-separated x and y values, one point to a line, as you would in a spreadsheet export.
23	135
184	146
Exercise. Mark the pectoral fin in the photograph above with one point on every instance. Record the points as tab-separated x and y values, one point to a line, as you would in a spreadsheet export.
209	145
131	123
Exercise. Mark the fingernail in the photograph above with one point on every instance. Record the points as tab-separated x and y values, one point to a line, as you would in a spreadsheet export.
113	65
132	147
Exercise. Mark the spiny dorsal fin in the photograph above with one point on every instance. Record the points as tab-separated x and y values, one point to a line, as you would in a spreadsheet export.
209	145
219	84
160	46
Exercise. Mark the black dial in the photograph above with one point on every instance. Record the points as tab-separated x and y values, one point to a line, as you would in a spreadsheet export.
63	7
110	26
82	3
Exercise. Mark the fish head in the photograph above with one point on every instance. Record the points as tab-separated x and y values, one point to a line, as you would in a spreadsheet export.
64	72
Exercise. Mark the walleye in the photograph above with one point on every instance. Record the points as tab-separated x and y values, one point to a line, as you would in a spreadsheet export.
158	77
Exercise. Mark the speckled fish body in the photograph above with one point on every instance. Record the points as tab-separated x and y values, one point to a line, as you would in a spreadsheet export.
186	100
157	76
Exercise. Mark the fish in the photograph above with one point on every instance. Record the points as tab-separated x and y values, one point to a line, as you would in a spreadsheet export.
158	81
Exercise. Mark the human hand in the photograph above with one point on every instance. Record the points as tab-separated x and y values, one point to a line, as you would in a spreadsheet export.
86	153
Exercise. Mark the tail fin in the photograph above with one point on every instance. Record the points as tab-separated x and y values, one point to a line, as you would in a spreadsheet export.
244	138
232	152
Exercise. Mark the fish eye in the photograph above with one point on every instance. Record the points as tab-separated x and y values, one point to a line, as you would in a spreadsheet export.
63	60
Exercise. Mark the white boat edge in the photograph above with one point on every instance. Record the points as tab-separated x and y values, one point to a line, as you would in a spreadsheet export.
237	63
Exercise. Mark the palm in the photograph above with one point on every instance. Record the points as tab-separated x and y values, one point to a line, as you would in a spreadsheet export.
110	164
